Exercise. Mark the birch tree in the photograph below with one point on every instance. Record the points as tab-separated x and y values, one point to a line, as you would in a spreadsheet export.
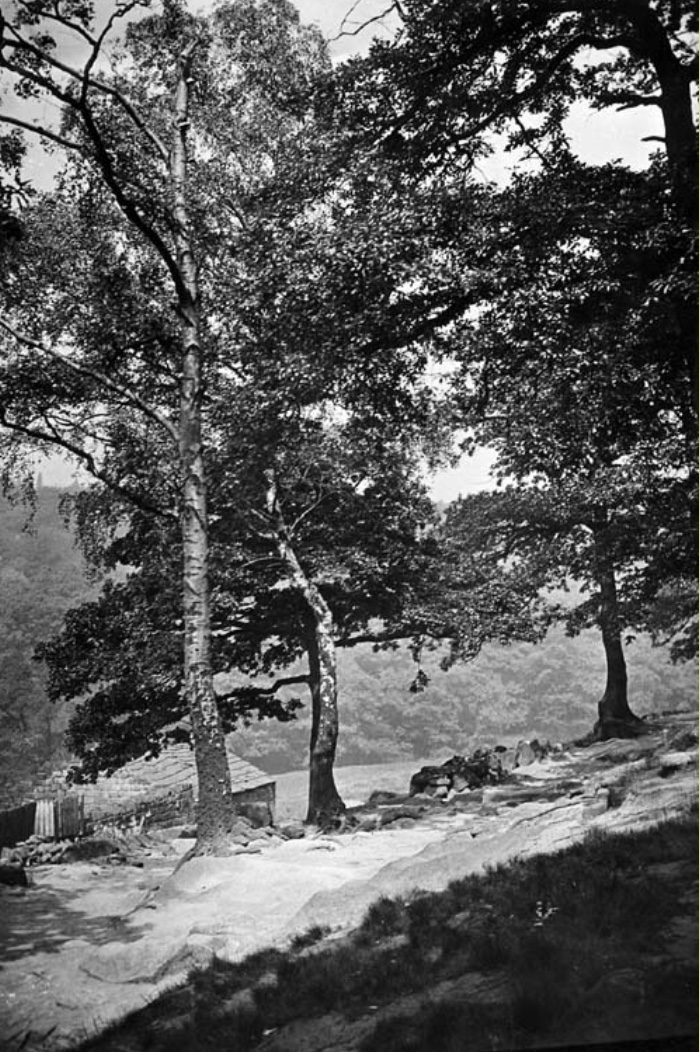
128	128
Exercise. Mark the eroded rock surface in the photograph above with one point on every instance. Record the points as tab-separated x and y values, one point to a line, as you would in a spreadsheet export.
87	942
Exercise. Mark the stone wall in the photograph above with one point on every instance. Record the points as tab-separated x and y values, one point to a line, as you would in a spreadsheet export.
158	792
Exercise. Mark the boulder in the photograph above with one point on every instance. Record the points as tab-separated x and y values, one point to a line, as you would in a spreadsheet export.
257	812
13	875
293	830
93	848
506	758
528	752
393	814
427	779
524	754
460	774
385	796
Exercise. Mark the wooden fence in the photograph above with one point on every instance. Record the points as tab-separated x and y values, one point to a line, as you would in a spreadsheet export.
60	817
16	824
52	818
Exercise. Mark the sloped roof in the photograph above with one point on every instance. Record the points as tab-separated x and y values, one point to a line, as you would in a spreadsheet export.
142	780
175	768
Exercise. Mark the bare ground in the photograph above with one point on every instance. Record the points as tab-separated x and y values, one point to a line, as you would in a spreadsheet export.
88	942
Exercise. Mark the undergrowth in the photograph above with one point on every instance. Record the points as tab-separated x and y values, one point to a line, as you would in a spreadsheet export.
553	925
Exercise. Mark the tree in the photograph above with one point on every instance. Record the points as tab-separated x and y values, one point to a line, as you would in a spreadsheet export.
455	75
147	178
459	73
569	379
456	70
332	549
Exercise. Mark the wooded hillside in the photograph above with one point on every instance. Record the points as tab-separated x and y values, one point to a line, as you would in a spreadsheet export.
521	691
518	691
42	574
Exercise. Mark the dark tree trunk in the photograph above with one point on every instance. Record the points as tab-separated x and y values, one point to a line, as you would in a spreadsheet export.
675	78
325	803
681	141
615	718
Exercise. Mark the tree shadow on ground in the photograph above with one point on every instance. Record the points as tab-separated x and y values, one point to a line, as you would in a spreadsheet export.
40	920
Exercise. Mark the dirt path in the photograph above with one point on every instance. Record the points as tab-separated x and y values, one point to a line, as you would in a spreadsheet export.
88	943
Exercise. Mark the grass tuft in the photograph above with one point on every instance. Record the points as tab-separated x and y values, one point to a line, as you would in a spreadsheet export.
384	918
308	938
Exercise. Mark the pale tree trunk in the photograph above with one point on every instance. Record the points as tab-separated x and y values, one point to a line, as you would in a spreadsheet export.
325	803
615	718
215	815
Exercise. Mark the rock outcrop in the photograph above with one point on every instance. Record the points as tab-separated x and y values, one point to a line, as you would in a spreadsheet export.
484	767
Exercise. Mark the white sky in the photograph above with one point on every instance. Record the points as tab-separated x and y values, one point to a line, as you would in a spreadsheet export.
596	137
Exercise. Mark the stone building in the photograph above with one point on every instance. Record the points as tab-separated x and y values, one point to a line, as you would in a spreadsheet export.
147	793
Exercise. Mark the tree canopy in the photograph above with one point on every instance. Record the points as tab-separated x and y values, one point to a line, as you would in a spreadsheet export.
230	306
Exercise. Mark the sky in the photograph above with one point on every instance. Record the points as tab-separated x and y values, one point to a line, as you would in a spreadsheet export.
596	137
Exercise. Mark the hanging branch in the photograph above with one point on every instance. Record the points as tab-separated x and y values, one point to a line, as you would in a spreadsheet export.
52	437
83	370
81	106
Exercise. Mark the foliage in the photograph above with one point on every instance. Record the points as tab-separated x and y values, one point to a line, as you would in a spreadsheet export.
360	521
324	297
569	376
459	70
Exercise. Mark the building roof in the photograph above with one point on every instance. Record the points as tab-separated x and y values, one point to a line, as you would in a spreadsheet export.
143	780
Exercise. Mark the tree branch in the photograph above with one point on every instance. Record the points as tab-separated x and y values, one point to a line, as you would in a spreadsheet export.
83	370
40	130
82	108
395	6
305	514
283	681
40	437
628	100
83	76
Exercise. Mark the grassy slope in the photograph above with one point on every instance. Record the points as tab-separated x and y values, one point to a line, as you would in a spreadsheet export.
584	945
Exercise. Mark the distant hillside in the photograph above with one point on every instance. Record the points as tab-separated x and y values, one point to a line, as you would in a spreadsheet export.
42	574
548	691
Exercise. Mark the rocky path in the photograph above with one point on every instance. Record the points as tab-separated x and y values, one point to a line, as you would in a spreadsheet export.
87	943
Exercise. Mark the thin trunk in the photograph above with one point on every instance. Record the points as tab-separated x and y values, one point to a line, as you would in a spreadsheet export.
615	718
215	816
325	802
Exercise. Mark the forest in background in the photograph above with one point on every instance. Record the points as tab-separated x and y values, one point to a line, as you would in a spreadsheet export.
547	690
42	575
